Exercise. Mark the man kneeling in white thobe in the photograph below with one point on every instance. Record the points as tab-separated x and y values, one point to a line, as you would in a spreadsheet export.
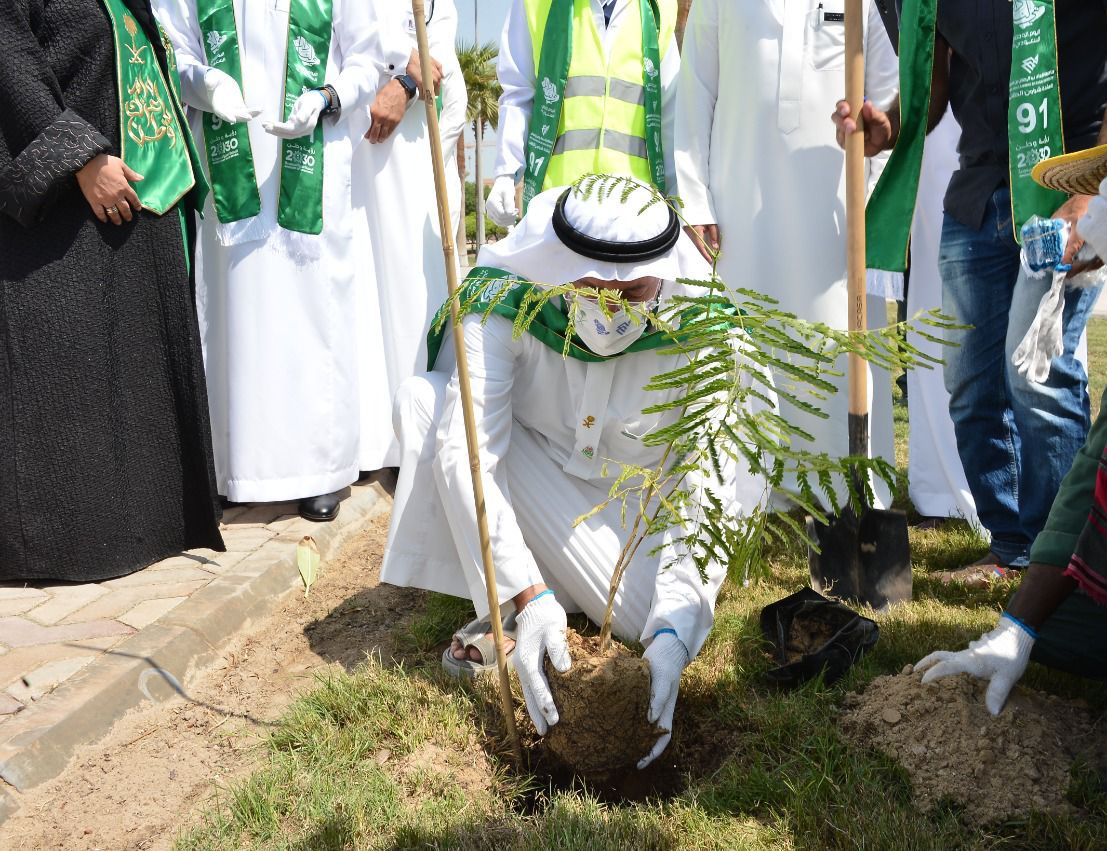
553	432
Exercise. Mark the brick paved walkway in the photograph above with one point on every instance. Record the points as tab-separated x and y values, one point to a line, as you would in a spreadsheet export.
67	650
50	631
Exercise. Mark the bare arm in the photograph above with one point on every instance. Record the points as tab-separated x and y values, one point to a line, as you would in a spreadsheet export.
882	128
1043	589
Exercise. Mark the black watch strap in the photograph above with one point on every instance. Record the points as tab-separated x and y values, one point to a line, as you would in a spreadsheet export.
334	105
408	82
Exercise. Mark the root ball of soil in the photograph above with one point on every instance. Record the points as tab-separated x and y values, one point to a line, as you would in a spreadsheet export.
602	702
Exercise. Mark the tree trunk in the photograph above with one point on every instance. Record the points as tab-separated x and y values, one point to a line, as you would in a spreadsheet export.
477	175
683	6
460	236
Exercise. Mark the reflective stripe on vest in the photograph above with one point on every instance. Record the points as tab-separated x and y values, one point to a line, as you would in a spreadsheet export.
603	122
589	140
596	87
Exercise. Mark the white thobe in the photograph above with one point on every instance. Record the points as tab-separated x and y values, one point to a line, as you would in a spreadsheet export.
517	74
552	433
277	308
756	154
935	476
401	272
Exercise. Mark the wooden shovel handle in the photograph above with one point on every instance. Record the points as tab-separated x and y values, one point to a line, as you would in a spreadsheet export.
855	226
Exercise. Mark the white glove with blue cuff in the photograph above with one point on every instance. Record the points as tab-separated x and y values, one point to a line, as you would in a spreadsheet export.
668	657
999	656
540	631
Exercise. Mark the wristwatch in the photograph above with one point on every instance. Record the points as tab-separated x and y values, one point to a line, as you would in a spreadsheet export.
408	83
334	104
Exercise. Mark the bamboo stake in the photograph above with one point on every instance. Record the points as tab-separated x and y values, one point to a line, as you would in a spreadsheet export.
449	255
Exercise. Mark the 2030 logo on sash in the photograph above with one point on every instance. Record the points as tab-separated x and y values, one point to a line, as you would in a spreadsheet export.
300	159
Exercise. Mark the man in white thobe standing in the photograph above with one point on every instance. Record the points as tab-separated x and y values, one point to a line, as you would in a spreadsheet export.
935	476
401	270
553	432
603	109
761	175
281	91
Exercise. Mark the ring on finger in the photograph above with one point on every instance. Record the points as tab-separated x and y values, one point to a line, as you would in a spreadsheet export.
112	211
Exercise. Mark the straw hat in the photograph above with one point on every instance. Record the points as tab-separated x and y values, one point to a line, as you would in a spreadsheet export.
1078	173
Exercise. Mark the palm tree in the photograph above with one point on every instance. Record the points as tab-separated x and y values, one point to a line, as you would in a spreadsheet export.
478	67
683	7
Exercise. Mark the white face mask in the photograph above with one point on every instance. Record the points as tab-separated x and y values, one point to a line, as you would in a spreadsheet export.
605	335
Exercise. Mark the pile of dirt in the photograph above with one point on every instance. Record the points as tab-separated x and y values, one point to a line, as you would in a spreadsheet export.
602	702
954	749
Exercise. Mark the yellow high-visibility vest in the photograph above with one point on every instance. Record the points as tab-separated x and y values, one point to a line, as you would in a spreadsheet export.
603	119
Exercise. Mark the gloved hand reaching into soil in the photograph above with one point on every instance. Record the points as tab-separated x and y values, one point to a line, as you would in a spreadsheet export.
668	657
540	630
999	656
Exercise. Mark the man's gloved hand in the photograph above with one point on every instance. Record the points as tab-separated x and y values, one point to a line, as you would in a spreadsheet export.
668	657
999	656
540	631
501	201
1093	224
225	97
303	118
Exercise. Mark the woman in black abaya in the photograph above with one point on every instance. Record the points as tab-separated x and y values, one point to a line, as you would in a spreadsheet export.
105	450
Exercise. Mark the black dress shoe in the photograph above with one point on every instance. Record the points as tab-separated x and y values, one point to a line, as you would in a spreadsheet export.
321	509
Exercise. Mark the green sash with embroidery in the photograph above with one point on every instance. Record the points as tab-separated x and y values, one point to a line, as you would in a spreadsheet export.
1034	129
891	209
1034	132
230	159
309	44
153	140
490	289
549	93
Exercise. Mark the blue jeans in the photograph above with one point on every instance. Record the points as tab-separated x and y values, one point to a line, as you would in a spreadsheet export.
1016	439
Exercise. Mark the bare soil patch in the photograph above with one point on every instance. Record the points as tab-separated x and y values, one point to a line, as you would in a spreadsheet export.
955	750
131	791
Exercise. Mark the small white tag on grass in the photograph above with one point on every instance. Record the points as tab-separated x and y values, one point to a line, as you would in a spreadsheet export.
307	560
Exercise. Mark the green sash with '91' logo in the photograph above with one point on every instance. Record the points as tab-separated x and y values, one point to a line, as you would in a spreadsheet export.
1034	128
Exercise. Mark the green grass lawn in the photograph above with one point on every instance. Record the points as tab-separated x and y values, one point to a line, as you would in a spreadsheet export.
392	757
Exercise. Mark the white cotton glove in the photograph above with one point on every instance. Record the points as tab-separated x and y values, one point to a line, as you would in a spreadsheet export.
1093	224
668	657
540	630
501	201
225	98
999	656
303	118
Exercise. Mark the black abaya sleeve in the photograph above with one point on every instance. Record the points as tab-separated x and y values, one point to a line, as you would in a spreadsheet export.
42	143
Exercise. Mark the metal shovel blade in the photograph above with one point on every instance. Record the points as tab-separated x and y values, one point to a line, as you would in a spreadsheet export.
864	559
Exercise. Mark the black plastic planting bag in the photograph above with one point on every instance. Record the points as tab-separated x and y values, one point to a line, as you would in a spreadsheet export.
810	635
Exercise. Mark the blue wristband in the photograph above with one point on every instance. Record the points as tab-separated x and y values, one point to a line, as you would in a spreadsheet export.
539	595
668	631
1027	629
